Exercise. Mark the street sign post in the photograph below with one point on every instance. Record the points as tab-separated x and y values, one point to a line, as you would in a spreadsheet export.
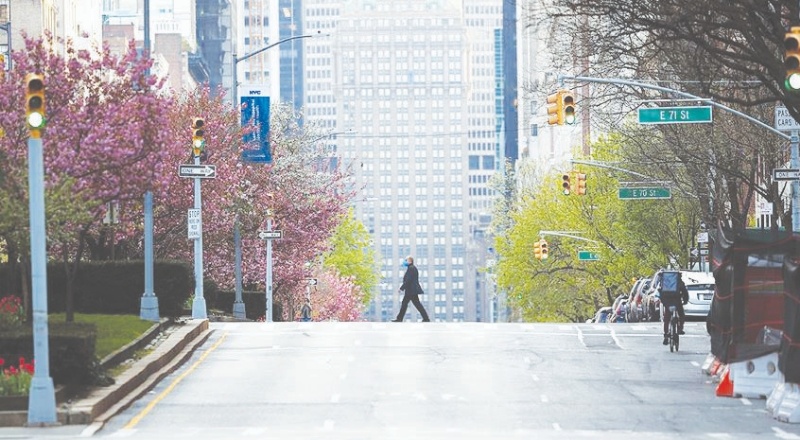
312	281
195	224
676	115
786	174
197	171
645	193
270	235
588	256
784	121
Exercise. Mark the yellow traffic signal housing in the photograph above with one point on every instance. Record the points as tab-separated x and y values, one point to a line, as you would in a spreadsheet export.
543	247
34	104
568	107
537	250
565	184
555	109
791	60
198	136
580	183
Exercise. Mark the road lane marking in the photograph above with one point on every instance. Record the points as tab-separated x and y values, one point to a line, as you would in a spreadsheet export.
535	378
695	364
335	398
580	337
746	401
780	433
616	340
138	417
544	399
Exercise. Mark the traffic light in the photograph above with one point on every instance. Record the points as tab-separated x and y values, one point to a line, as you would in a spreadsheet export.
566	184
198	136
555	109
568	106
791	60
543	247
537	249
34	103
580	183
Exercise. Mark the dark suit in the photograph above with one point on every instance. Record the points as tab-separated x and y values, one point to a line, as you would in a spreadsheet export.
411	290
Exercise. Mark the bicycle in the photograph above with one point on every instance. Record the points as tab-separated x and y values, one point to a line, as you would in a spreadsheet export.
673	335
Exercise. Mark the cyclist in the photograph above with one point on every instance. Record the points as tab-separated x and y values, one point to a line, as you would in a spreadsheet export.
673	292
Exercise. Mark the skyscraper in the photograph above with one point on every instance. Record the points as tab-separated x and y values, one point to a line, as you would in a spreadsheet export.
414	82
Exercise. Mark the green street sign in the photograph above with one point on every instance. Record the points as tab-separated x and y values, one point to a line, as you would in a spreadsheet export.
675	115
588	256
644	193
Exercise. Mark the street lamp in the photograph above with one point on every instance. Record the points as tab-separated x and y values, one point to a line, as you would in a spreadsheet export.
238	304
236	59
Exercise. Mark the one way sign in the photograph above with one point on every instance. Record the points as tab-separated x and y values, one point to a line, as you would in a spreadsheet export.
197	171
786	174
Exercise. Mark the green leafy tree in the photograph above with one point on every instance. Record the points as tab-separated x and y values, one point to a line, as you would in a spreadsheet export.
352	254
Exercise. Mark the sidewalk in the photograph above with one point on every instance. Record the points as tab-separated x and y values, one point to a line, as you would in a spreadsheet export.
102	403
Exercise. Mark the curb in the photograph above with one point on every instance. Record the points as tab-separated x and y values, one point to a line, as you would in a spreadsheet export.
102	403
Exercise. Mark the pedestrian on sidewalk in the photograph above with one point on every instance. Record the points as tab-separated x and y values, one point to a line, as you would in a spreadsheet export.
305	311
412	290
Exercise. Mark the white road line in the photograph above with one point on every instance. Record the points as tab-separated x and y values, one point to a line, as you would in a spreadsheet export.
694	363
544	399
616	340
276	347
780	433
556	426
328	425
535	378
719	435
580	336
335	398
745	401
253	432
91	429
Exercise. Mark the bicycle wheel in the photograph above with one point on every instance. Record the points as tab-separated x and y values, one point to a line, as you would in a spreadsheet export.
674	337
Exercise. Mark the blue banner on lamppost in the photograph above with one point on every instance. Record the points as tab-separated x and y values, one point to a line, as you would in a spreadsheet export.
254	107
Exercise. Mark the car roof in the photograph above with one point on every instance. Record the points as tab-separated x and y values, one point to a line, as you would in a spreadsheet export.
690	277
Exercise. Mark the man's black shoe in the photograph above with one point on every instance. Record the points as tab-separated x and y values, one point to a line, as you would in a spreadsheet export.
681	332
666	341
426	320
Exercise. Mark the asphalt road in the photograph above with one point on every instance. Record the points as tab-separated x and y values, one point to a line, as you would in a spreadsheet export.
444	381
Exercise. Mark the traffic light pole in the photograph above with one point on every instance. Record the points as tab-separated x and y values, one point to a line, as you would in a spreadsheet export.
794	141
42	396
199	302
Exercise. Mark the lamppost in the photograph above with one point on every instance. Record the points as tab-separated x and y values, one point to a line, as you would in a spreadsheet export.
238	304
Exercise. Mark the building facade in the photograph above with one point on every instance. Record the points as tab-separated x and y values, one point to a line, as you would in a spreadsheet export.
414	84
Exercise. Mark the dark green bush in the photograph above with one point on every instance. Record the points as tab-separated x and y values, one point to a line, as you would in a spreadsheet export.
72	358
255	303
113	287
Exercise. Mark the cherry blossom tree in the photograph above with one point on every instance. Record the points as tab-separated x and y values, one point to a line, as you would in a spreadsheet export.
103	139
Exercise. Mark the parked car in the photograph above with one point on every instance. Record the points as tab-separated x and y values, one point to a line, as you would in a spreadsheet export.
602	315
635	307
651	302
619	309
701	291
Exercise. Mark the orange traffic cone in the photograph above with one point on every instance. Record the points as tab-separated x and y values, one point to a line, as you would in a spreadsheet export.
725	387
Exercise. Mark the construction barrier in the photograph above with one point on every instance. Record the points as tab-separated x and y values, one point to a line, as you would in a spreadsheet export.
784	402
755	378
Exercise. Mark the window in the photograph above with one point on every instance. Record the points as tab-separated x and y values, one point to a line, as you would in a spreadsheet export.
474	162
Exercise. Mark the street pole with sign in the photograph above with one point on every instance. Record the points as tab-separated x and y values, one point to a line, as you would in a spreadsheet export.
268	234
